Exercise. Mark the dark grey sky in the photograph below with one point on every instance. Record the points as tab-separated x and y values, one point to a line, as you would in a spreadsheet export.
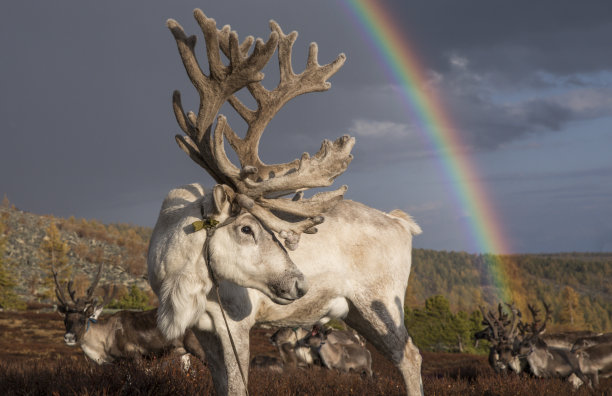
87	126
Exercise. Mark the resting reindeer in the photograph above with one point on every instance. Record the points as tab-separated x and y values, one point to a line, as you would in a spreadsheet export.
595	361
126	334
294	351
592	339
546	357
344	356
355	265
501	332
290	345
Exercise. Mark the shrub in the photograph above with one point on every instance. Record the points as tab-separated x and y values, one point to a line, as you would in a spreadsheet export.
135	299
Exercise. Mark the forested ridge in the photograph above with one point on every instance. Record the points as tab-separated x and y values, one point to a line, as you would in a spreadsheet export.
577	286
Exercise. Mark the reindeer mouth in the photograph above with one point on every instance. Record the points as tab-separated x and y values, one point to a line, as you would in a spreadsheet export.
288	294
281	300
70	343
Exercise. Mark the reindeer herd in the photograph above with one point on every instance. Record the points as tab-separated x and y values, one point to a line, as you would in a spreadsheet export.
581	357
246	254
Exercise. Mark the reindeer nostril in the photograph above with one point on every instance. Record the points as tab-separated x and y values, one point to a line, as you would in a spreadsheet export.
301	287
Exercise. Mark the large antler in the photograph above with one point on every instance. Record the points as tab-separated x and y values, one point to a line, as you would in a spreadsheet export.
502	327
94	284
535	326
516	318
78	303
257	185
489	319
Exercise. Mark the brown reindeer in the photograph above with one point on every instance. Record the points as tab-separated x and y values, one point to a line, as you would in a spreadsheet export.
126	334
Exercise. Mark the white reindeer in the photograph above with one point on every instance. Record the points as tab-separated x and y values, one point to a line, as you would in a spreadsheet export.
356	263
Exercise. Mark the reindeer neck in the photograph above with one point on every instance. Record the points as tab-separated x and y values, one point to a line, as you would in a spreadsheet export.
97	331
96	341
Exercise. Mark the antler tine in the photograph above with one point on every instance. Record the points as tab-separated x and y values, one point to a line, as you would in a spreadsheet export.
109	293
534	313
490	320
223	81
289	231
59	292
546	318
516	314
94	284
318	203
502	315
71	291
312	79
319	170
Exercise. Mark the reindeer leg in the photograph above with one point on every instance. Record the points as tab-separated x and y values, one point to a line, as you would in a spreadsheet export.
383	326
192	346
289	356
220	355
595	380
215	359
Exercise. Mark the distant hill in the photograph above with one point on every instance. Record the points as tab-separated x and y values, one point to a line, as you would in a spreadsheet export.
122	248
577	286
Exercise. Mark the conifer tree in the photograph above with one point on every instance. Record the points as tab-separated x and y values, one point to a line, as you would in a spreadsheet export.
53	253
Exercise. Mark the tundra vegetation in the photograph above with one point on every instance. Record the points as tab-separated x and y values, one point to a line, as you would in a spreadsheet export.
32	361
32	358
464	285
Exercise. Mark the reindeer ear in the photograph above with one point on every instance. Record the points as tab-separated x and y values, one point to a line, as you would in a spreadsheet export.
97	311
222	198
61	309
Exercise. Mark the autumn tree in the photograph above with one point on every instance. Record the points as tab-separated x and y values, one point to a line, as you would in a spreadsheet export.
571	314
53	253
8	297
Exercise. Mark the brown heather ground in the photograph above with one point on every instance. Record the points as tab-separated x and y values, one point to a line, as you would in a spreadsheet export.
35	361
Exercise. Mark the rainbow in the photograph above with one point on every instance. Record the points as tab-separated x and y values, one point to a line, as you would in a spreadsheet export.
404	69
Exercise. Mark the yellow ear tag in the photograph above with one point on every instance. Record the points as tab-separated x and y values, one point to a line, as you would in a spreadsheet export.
206	223
197	225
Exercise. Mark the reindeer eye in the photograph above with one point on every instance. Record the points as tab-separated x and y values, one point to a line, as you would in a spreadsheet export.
246	230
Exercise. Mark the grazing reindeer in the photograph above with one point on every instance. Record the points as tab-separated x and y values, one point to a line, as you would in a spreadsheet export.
346	356
356	263
126	334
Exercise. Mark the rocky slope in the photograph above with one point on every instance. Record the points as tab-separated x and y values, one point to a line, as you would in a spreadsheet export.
121	247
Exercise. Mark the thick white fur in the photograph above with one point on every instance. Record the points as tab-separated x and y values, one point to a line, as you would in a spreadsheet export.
182	302
180	277
360	259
